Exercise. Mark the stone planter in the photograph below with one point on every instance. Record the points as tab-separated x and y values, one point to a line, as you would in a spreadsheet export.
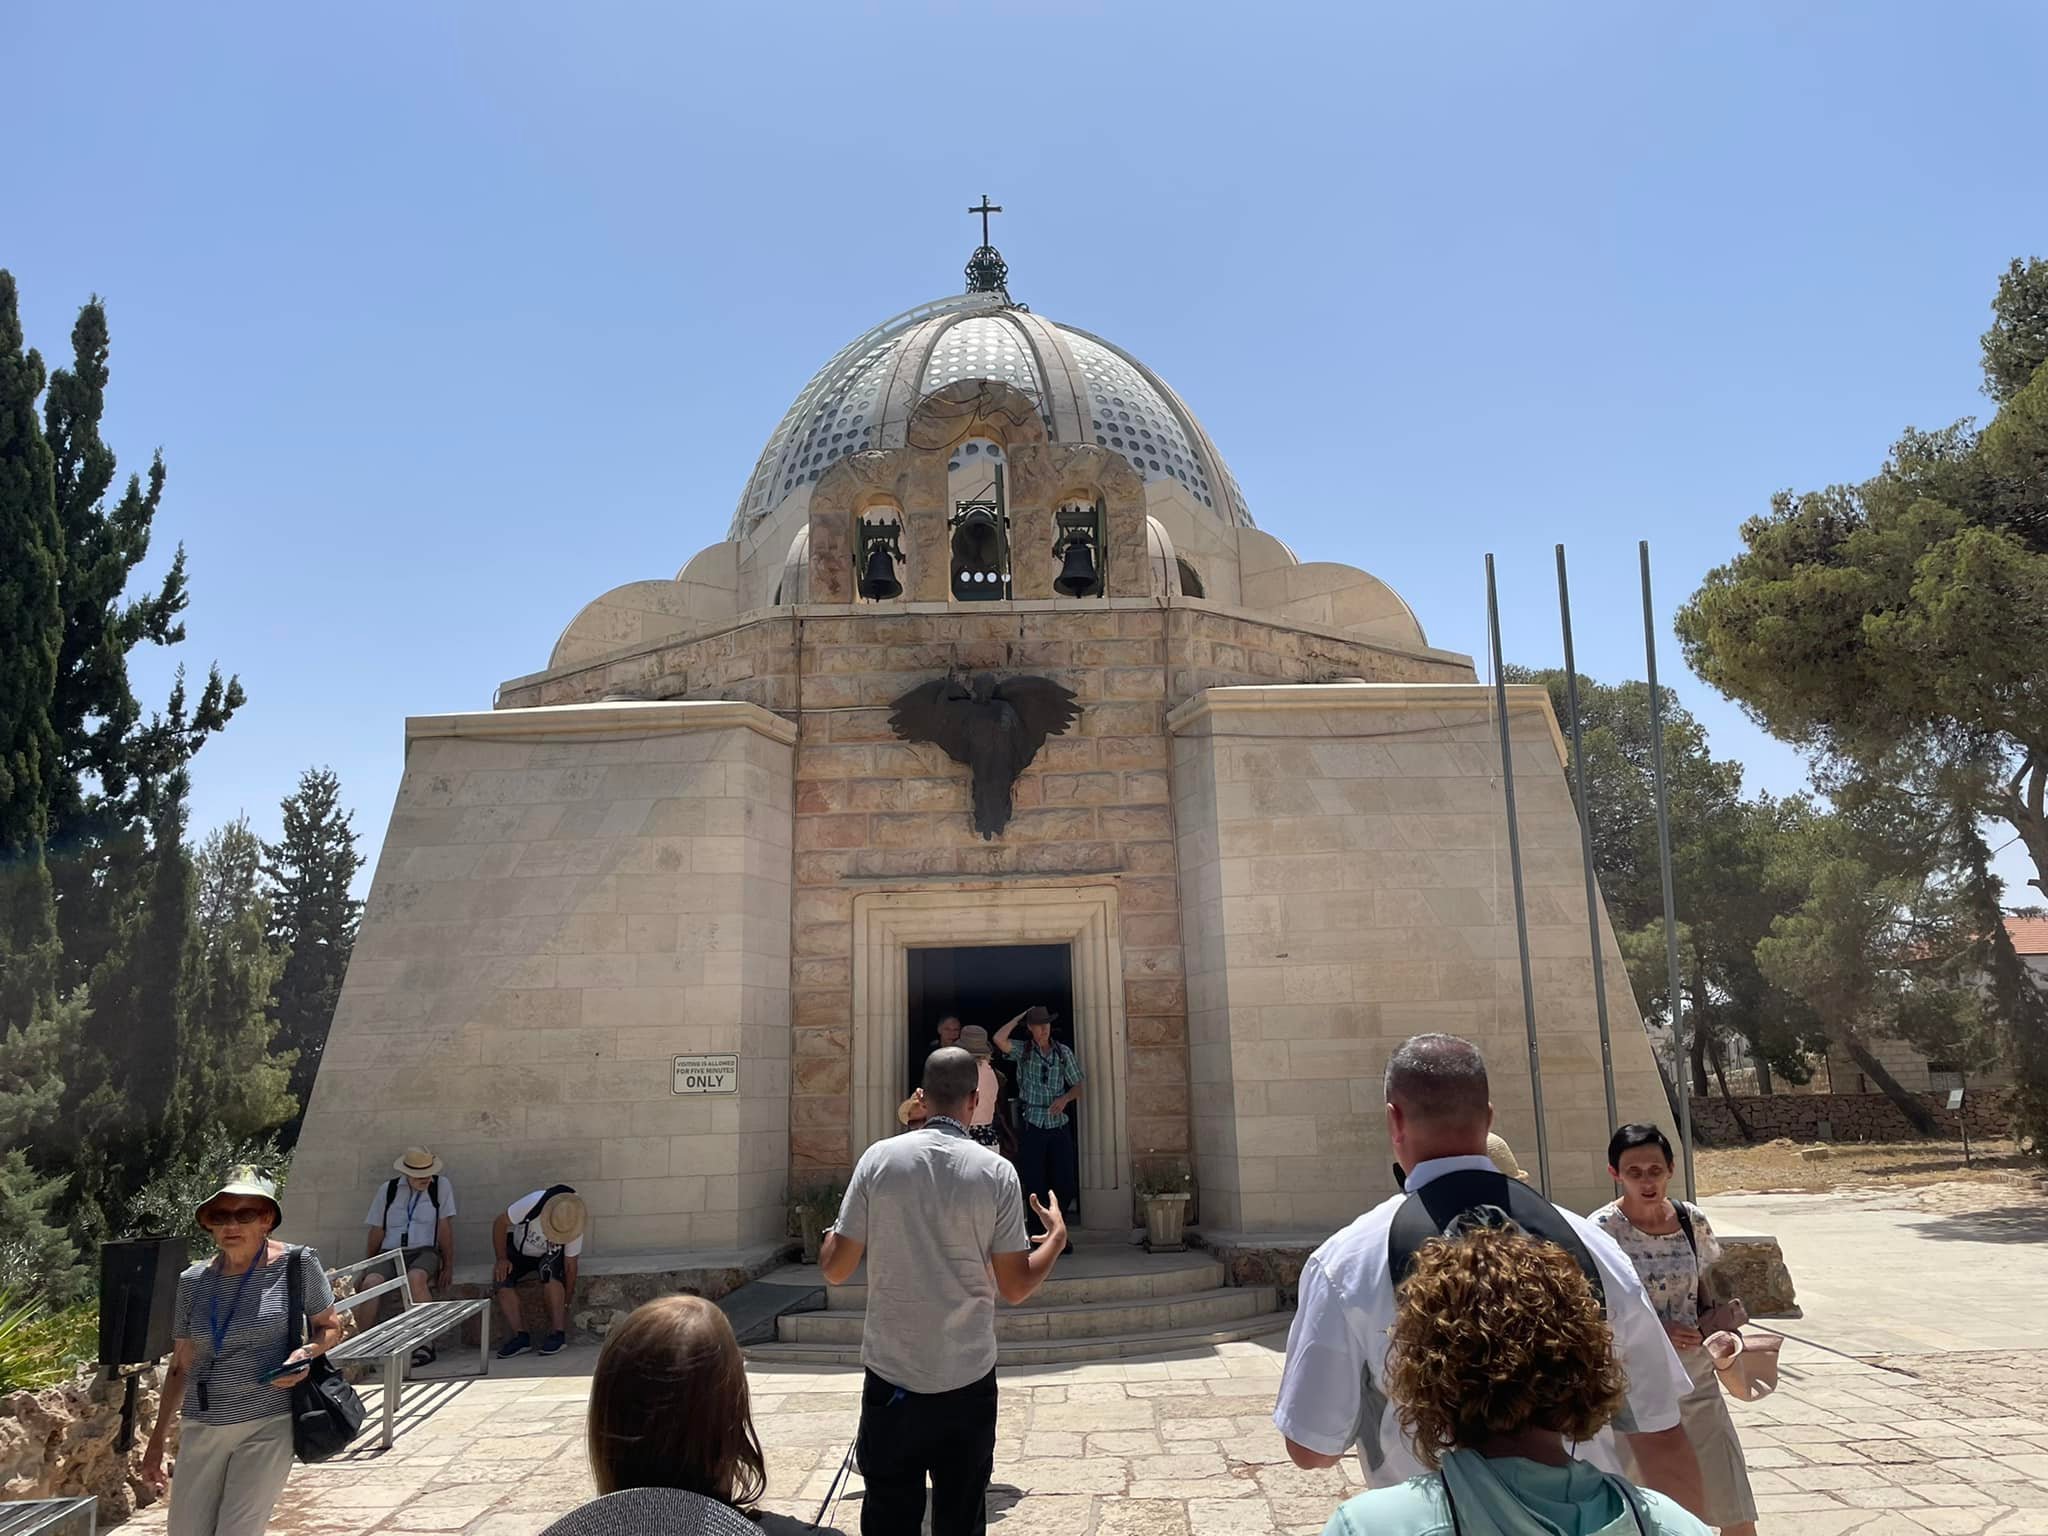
1166	1218
811	1223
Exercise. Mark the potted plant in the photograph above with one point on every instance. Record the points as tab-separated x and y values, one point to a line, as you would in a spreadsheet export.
814	1205
1164	1191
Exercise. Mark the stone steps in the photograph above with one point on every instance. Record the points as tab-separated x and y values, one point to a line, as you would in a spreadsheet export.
1033	1323
1165	1275
1110	1300
1063	1352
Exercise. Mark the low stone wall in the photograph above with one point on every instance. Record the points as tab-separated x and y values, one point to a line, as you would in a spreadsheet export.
1850	1116
1249	1261
59	1443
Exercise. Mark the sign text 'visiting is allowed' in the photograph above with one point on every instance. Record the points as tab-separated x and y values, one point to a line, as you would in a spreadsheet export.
708	1074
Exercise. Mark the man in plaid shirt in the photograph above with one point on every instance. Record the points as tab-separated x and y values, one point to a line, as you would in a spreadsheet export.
1048	1081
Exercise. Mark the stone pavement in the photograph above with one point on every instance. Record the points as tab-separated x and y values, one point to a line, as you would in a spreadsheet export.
1949	1444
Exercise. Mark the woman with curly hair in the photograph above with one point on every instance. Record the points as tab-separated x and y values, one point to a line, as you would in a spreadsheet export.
1500	1361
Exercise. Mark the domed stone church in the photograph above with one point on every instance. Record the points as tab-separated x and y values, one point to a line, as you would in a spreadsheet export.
993	694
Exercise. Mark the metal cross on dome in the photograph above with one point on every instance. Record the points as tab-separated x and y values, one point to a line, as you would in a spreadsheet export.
987	272
985	210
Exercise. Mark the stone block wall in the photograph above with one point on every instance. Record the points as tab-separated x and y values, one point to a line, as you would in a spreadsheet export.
1850	1116
568	898
1345	884
871	812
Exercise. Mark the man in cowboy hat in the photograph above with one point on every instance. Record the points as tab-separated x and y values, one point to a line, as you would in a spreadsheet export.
538	1237
1048	1081
413	1213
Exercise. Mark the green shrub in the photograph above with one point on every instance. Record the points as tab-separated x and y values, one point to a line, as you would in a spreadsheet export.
163	1207
40	1348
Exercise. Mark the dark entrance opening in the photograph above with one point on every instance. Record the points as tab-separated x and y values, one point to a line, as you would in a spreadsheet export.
987	985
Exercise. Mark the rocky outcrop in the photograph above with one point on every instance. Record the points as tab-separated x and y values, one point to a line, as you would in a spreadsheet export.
60	1443
1753	1270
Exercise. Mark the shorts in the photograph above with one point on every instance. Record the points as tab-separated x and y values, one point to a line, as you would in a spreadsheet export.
548	1269
426	1260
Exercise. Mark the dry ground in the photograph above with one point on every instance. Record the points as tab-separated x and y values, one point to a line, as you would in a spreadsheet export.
1777	1165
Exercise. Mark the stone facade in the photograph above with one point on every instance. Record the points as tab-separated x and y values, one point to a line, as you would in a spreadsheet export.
568	898
1272	844
1849	1116
1345	879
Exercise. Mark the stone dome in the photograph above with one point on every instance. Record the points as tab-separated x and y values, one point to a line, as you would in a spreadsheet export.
1087	389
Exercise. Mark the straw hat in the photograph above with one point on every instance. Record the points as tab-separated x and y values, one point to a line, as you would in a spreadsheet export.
974	1040
418	1163
1503	1157
562	1218
246	1181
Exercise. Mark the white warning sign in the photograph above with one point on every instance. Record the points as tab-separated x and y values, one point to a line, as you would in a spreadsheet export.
707	1074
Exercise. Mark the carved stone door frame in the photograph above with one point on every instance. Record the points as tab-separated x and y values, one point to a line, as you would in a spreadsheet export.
888	924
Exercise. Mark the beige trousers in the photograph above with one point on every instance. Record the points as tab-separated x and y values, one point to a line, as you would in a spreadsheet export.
228	1476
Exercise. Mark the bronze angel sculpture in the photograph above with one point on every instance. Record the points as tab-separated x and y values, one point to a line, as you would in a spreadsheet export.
994	728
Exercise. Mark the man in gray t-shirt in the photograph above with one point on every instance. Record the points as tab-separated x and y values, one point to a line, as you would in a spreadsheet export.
940	1220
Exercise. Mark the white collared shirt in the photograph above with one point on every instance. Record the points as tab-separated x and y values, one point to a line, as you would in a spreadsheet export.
1332	1395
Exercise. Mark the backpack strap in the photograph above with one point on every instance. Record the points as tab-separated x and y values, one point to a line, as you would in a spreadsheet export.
1428	1213
1684	1214
296	1289
390	1197
534	1210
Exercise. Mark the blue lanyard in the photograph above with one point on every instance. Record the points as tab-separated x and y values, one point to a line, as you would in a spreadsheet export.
217	1325
410	1206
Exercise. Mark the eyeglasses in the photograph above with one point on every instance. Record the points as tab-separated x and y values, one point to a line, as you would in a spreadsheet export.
237	1216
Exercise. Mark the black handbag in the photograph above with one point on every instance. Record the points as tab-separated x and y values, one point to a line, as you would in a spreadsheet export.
326	1412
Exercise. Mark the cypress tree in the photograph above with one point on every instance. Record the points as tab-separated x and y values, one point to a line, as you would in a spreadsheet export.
314	915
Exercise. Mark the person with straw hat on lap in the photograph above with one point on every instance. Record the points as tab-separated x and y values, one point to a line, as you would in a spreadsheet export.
538	1238
414	1213
232	1365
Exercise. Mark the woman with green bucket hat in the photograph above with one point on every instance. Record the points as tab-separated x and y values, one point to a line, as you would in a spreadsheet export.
233	1333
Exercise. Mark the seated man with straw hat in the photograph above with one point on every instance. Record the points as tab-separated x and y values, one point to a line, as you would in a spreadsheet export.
538	1237
412	1213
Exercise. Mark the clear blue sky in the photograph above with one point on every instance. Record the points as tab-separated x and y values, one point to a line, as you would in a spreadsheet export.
449	318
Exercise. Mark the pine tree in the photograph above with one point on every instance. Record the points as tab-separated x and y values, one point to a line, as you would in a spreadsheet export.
229	1077
310	869
117	767
31	629
35	1252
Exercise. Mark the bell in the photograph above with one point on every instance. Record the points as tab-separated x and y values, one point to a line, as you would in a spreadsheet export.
977	561
878	583
1078	577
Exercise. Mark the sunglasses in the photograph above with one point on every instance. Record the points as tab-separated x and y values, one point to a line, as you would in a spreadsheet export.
236	1216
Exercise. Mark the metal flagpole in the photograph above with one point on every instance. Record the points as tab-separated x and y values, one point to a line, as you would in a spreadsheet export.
1678	1061
1507	778
1571	695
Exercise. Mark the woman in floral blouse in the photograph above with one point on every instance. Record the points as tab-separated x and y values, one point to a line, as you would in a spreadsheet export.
1671	1261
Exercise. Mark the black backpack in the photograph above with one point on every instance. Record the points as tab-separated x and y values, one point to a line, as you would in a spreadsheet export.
1431	1211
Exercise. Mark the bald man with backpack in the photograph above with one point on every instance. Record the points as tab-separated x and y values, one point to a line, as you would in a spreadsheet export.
1333	1394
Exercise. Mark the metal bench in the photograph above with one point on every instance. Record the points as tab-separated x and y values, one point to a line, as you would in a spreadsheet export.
395	1338
50	1517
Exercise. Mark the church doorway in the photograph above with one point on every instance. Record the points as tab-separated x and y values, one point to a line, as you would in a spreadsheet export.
988	954
985	984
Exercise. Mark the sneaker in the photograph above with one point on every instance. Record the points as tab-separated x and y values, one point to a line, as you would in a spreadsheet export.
518	1344
552	1344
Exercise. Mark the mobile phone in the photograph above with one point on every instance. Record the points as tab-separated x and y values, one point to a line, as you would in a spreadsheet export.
278	1372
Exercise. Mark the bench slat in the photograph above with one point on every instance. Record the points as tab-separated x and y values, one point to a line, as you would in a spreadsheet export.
411	1328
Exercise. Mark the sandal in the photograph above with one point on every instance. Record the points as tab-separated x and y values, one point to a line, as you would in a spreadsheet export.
424	1355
